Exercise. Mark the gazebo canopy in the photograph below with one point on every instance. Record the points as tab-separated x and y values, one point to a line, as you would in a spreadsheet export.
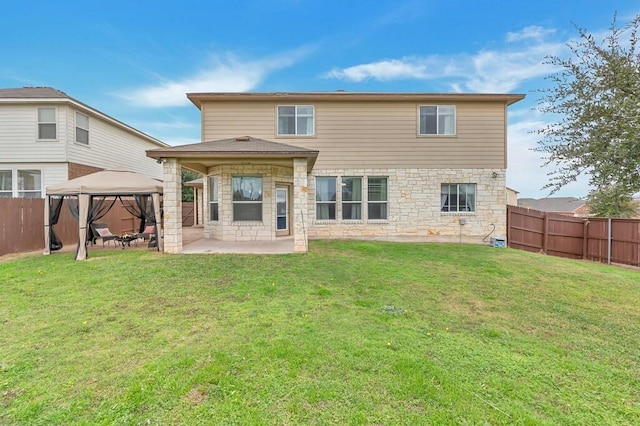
108	182
114	182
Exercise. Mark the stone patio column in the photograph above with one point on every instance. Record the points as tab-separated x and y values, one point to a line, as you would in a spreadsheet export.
172	204
300	208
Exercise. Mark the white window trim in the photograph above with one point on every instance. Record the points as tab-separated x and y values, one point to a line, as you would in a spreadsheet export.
55	111
217	195
445	135
295	119
461	212
233	202
361	202
335	202
15	184
77	126
386	202
10	190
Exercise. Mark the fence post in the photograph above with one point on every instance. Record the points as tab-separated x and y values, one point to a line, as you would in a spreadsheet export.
545	232
585	239
509	210
609	242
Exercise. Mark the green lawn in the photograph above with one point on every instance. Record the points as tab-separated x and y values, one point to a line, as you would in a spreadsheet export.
352	333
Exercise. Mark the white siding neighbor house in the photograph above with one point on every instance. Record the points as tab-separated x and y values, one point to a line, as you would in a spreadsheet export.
424	166
47	137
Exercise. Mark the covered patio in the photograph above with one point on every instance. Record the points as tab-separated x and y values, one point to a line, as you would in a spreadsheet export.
195	243
254	191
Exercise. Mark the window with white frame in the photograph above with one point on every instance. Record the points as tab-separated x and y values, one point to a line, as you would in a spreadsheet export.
6	183
30	183
458	197
213	198
325	198
82	128
295	120
377	198
47	123
247	198
437	120
351	198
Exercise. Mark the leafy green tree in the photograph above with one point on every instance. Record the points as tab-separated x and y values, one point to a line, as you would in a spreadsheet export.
187	191
611	202
596	97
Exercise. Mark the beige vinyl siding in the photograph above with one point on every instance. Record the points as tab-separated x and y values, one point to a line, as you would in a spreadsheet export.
19	135
373	134
110	146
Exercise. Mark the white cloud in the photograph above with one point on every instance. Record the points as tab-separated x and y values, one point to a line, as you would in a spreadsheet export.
488	71
525	172
228	74
534	32
393	69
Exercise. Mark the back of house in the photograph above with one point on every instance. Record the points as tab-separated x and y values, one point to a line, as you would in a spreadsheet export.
350	165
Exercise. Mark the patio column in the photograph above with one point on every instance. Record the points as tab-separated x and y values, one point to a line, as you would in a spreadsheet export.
172	198
300	208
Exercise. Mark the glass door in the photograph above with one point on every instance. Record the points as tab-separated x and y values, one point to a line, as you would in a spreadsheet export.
282	211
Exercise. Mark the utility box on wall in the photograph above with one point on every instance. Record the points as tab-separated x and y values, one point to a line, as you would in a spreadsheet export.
500	242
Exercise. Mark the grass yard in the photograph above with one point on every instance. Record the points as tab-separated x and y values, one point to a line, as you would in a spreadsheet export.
352	333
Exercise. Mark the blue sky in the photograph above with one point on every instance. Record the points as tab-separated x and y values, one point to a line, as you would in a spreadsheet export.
134	60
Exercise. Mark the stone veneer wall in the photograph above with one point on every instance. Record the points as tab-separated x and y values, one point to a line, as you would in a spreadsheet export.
172	205
414	206
228	230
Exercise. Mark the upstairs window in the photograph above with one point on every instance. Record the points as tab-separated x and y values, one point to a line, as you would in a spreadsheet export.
437	120
326	198
82	129
295	120
47	123
6	184
247	198
213	198
351	198
30	183
458	197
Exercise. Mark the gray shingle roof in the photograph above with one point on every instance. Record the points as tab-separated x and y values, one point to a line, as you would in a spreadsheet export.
32	93
552	204
238	145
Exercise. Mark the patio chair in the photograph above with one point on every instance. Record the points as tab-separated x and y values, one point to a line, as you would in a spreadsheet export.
149	234
101	230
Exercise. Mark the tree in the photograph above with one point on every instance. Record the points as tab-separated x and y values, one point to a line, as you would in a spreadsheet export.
596	95
187	191
610	202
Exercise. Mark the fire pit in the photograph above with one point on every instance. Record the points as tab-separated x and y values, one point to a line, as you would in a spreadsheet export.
126	239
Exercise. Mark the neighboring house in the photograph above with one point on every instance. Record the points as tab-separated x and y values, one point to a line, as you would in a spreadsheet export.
512	197
47	137
344	165
569	206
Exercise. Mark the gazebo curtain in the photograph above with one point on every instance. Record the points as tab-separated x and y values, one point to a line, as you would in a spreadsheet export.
54	216
143	209
98	207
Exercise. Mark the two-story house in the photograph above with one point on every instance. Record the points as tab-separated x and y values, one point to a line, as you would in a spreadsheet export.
345	165
47	137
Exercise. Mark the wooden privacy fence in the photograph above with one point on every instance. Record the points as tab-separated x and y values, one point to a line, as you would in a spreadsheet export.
22	223
598	239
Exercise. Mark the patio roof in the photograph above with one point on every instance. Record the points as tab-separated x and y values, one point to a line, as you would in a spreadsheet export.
239	148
